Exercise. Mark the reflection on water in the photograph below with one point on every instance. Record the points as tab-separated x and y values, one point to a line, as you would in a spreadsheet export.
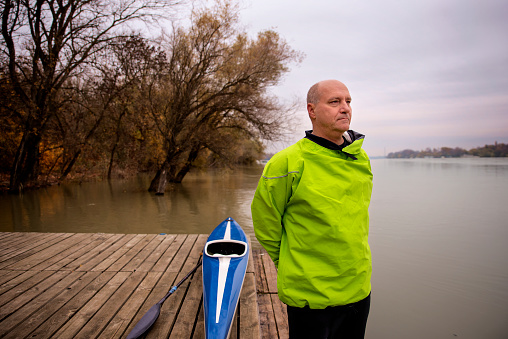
197	205
439	234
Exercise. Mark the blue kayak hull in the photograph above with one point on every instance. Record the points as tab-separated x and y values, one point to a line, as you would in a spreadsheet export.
225	258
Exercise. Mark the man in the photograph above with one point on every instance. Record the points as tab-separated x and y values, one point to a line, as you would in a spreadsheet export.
310	213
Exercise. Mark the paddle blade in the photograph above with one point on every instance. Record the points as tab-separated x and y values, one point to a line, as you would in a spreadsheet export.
146	322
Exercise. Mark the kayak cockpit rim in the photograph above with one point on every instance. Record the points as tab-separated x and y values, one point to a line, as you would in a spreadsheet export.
226	248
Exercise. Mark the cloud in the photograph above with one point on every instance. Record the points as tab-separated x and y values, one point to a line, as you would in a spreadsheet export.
426	71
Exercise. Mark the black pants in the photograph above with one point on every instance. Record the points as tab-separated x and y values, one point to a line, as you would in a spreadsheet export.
344	322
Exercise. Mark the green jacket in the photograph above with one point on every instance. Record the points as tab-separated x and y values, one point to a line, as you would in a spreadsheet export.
310	212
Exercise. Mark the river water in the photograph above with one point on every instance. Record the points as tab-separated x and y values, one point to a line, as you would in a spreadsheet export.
439	234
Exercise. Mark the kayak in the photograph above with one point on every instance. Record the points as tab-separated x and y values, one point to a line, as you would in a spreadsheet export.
225	259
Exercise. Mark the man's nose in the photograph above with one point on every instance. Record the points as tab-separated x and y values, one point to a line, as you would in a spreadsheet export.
345	108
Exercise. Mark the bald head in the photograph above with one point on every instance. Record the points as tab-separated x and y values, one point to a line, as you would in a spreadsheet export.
329	108
314	94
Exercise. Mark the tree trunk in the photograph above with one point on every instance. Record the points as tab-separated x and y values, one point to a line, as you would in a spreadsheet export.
25	168
117	141
159	182
166	172
187	166
111	158
67	169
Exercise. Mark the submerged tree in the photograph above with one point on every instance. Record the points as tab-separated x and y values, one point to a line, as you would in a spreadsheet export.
46	43
215	93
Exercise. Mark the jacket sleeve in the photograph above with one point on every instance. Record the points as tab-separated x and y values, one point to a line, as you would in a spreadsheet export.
267	209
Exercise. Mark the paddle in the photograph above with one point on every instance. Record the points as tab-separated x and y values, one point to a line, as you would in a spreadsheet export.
152	314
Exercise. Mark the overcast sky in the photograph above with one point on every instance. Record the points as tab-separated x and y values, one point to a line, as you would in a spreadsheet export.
426	73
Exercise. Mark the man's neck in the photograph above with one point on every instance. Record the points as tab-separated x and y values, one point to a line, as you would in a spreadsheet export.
339	140
326	142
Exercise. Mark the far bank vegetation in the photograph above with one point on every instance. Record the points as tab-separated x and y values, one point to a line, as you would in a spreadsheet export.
81	95
487	151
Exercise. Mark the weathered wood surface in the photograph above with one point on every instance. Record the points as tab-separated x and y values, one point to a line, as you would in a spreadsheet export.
272	312
100	285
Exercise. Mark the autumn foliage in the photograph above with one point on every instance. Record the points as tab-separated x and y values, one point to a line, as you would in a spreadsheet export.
80	97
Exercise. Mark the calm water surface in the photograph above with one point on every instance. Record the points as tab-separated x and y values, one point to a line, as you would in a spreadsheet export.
439	237
439	234
197	205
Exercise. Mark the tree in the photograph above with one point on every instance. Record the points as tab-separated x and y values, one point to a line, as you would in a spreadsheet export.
215	92
137	63
104	115
10	134
46	43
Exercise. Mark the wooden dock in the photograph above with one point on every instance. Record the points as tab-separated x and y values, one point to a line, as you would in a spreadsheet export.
272	312
78	285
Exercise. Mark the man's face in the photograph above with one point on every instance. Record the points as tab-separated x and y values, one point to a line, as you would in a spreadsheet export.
331	116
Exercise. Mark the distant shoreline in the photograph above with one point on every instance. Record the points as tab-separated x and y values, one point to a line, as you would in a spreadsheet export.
498	150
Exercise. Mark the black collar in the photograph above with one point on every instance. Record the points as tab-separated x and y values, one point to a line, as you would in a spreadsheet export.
329	144
325	142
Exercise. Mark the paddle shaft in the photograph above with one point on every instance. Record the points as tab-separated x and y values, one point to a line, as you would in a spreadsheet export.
173	289
146	322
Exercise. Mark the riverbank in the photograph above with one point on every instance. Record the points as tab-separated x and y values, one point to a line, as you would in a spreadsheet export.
53	181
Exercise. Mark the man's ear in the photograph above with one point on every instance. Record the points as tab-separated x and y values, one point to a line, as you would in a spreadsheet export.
310	110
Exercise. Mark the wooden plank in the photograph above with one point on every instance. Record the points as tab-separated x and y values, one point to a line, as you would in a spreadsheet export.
6	275
166	258
199	330
261	283
281	316
143	254
186	317
108	252
49	309
39	246
82	256
19	314
19	289
79	241
117	253
268	326
14	281
7	238
179	260
45	254
157	254
41	283
71	307
95	251
74	325
233	334
272	312
170	308
28	241
100	319
117	326
162	287
250	265
20	240
130	254
270	272
249	313
4	235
